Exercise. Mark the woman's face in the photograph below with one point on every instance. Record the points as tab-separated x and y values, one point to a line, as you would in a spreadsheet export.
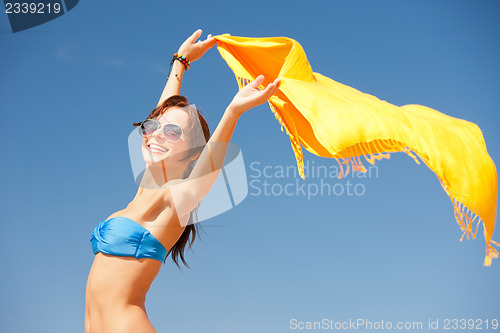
156	147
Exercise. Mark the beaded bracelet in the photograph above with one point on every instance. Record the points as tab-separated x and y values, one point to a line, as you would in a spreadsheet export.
182	59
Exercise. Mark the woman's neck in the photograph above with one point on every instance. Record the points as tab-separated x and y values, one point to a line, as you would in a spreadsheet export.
154	176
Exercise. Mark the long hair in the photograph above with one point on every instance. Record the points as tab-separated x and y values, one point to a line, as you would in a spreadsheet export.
196	147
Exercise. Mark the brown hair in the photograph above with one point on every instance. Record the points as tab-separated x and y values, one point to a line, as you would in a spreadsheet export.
195	138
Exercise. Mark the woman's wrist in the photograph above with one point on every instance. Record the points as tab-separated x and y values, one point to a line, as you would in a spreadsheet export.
185	54
232	113
177	71
179	66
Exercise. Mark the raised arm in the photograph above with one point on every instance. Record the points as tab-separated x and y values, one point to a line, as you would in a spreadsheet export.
193	51
212	157
187	193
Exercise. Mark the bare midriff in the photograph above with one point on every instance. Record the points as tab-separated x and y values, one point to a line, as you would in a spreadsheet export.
116	294
117	285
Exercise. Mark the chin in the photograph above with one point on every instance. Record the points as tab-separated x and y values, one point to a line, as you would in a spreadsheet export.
150	157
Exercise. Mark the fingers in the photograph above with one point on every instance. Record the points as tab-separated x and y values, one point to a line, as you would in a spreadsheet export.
263	95
209	42
257	82
274	85
195	36
260	79
271	89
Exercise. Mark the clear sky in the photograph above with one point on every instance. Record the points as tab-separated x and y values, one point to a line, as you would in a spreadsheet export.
72	88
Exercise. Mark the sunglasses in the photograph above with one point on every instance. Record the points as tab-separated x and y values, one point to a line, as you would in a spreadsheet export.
172	132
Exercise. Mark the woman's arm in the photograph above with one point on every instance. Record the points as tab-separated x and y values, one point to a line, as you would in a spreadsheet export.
212	157
193	51
174	82
187	193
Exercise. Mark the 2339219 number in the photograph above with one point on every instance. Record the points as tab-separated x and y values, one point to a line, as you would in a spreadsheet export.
470	324
32	8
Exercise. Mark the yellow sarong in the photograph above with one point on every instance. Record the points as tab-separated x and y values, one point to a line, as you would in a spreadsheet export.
333	120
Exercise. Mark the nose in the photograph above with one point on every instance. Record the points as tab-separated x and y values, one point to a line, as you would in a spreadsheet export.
158	134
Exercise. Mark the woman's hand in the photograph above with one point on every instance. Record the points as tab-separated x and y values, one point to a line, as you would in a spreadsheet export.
249	96
193	50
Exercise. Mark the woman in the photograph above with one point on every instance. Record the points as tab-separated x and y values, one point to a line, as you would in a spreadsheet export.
131	244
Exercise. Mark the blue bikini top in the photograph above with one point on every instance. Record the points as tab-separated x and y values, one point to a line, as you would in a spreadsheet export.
121	236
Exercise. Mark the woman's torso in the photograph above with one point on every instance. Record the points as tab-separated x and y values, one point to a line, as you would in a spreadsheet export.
117	286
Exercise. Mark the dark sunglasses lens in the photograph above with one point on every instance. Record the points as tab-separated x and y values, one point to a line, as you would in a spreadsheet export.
172	132
148	127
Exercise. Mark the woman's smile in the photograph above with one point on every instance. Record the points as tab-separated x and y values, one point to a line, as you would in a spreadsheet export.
155	148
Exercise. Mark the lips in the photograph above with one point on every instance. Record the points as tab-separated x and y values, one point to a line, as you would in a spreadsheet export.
155	148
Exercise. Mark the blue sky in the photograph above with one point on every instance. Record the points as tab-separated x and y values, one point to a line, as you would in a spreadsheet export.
71	89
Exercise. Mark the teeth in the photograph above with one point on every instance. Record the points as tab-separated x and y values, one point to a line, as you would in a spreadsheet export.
156	147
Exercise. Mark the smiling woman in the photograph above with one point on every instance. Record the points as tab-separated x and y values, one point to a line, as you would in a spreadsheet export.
177	128
182	164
